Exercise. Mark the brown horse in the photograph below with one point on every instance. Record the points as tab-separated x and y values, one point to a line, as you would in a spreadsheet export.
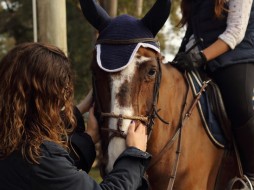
131	92
142	88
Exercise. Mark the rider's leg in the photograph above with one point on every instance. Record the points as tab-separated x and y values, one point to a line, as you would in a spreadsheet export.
244	136
237	84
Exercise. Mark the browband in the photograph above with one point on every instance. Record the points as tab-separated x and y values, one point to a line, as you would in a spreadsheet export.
125	42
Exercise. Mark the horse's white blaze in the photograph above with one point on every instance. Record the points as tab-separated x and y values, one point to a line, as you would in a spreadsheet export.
115	148
117	145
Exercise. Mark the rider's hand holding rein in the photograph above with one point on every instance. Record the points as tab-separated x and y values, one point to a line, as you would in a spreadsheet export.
137	137
189	61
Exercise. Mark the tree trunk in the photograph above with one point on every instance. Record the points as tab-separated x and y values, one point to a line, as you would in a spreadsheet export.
111	7
52	22
139	7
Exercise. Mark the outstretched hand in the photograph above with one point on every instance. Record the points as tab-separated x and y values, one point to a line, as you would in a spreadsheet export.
92	126
86	103
137	137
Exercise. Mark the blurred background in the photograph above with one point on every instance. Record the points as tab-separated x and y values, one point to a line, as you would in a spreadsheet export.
61	23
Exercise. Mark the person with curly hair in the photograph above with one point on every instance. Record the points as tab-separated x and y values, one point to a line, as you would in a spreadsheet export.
44	144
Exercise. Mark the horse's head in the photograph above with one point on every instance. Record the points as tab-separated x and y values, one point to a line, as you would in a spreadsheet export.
126	95
126	72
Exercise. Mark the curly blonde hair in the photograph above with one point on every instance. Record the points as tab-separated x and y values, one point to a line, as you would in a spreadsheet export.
35	86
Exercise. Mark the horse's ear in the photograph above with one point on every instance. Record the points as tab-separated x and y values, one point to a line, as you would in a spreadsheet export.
95	14
157	16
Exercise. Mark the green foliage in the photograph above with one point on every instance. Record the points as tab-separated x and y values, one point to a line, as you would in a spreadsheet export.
16	26
80	45
16	21
6	43
175	12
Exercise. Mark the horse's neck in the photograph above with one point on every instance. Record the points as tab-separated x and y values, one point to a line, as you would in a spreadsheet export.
173	96
173	91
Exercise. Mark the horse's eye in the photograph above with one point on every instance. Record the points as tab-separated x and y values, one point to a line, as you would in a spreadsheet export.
152	72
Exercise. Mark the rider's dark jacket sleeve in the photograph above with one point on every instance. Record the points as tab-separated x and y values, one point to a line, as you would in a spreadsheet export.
82	149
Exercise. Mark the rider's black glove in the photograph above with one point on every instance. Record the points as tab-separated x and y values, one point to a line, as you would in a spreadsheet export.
189	61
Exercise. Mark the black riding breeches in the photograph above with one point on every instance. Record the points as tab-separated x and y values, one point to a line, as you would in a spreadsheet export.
236	84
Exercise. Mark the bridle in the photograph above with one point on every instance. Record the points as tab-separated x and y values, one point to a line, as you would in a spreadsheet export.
148	120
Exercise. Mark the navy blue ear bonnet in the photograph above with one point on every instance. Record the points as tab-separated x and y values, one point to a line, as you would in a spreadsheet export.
111	53
115	57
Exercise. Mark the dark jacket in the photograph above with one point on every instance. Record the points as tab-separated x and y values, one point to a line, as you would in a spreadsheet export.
84	150
58	171
203	24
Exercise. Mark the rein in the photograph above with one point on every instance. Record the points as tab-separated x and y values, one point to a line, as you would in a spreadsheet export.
178	133
181	125
117	132
120	116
